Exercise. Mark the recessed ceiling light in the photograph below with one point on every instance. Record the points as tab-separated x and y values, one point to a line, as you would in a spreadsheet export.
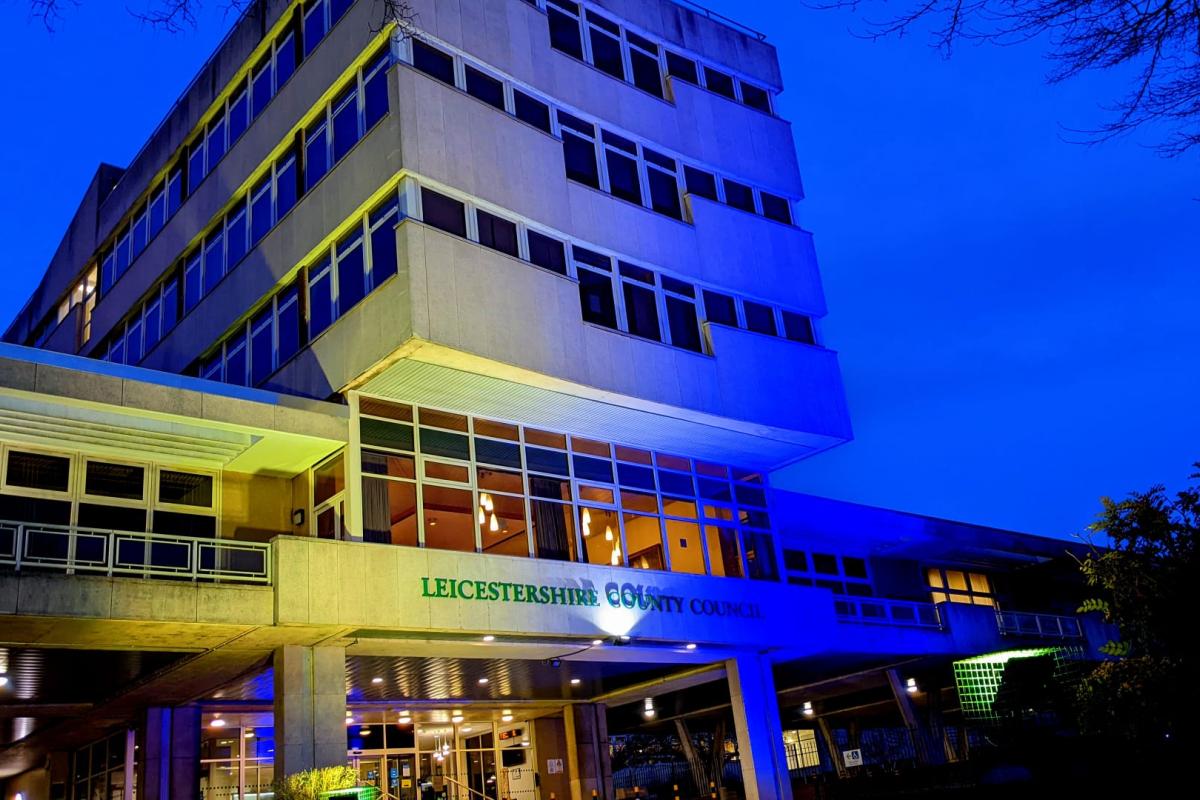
575	681
217	723
376	680
597	642
405	719
489	638
457	718
506	718
691	645
483	681
466	729
250	734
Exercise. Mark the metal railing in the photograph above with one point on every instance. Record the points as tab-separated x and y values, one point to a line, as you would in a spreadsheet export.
881	611
72	549
1053	626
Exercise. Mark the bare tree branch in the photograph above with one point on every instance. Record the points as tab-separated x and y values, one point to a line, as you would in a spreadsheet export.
1160	39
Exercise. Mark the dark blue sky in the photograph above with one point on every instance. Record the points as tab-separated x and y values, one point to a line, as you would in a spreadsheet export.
1016	316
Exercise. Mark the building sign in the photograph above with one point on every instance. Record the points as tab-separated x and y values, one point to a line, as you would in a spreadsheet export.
852	758
554	766
615	595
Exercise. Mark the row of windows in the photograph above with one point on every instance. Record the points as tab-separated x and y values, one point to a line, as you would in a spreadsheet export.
338	126
248	100
71	489
349	269
447	481
841	575
579	31
624	296
597	157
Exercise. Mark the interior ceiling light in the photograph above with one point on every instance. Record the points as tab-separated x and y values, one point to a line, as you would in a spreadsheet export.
376	680
489	638
690	646
575	681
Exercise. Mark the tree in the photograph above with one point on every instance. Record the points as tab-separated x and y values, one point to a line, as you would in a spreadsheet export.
1159	39
176	15
1145	582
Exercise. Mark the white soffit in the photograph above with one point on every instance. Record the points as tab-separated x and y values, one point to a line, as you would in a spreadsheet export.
444	387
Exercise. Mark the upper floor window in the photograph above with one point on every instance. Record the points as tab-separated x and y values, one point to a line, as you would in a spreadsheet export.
959	586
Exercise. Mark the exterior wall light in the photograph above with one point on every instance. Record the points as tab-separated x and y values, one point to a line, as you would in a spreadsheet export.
3	680
298	517
807	708
910	686
483	681
648	709
489	638
376	680
217	722
575	681
690	646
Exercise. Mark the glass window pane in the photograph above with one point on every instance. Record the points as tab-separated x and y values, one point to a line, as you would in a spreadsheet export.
641	311
38	471
286	186
956	580
664	193
433	62
739	195
646	75
485	87
596	298
214	261
185	488
580	156
547	252
760	555
643	537
700	182
682	68
623	176
391	435
449	518
497	233
683	323
329	479
345	123
723	553
798	327
316	155
720	308
719	82
350	270
601	534
756	97
532	111
375	92
564	33
443	212
683	541
504	530
606	54
114	480
776	208
389	511
553	530
288	326
759	318
285	59
320	299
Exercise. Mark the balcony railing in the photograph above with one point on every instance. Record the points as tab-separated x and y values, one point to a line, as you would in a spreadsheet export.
71	549
880	611
1017	623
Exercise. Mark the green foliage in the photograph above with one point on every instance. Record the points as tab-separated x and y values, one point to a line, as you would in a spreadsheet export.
310	784
1145	582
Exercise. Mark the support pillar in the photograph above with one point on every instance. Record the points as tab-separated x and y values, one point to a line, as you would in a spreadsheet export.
759	730
927	752
588	760
310	708
170	768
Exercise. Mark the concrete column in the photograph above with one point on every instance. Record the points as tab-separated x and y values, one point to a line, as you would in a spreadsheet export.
759	731
588	761
310	708
170	768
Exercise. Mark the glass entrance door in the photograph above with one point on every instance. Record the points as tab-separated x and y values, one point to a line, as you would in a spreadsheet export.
370	770
402	777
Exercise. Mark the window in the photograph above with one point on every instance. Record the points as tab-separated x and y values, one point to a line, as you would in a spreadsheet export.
433	62
48	473
443	212
320	297
759	318
641	306
720	308
760	555
235	235
596	295
564	27
239	113
496	232
739	195
547	252
682	320
605	38
756	97
315	24
316	154
345	122
351	270
382	224
776	208
683	68
700	182
532	111
663	183
486	88
620	156
960	586
375	91
798	328
719	83
579	150
643	59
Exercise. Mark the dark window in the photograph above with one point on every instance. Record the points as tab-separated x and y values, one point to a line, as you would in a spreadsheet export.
593	469
214	261
760	555
637	273
776	208
580	156
345	123
351	271
386	434
547	252
719	82
38	471
699	182
316	155
288	325
111	518
635	476
681	319
503	454
216	142
235	234
755	97
287	186
677	286
195	525
623	177
185	488
433	62
664	193
854	567
682	68
375	92
314	25
285	60
540	460
591	257
798	327
596	298
337	8
320	298
795	560
195	165
260	86
646	74
759	318
720	308
383	241
35	509
239	115
739	195
261	347
564	33
260	210
641	311
824	564
485	87
497	233
606	53
443	212
444	443
535	112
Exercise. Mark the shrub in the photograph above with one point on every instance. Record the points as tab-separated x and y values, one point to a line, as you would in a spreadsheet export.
309	785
